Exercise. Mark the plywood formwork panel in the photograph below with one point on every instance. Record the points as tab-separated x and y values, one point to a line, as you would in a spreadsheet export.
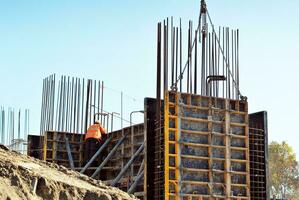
206	147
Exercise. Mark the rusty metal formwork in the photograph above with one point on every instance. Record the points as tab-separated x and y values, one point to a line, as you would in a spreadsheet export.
258	141
54	148
123	155
154	154
206	141
206	148
35	146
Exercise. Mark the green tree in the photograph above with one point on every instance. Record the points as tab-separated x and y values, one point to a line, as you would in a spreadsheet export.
284	173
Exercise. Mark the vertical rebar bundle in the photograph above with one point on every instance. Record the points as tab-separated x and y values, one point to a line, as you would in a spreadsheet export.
211	55
71	105
11	132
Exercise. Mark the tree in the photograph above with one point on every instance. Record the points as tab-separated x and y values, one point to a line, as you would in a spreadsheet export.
284	171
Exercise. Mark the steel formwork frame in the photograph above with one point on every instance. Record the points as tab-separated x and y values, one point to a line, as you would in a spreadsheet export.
54	148
235	183
259	172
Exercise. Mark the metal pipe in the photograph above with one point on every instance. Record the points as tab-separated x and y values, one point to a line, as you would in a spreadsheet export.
75	106
82	113
67	104
188	65
223	94
69	153
48	102
229	66
132	136
158	81
100	167
86	105
71	106
94	97
99	97
42	108
166	57
19	124
136	181
102	99
124	169
238	87
107	126
218	64
181	76
63	118
190	62
233	64
209	65
112	114
79	107
195	64
100	114
176	57
99	151
172	52
90	104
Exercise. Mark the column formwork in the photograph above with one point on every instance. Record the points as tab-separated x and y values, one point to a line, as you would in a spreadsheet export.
206	147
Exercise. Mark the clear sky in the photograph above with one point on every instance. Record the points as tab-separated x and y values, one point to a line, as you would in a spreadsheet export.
115	41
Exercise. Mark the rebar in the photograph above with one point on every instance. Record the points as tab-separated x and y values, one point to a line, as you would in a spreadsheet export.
74	108
215	46
14	128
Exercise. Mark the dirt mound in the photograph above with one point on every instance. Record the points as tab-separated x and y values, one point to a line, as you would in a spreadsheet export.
23	177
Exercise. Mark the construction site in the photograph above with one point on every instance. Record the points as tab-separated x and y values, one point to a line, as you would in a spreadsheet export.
197	140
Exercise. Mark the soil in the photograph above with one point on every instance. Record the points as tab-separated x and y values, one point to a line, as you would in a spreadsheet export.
26	178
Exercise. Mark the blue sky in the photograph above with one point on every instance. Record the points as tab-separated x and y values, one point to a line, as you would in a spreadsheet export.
115	41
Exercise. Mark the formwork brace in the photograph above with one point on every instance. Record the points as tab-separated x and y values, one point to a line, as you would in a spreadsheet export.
138	177
121	173
100	167
133	186
96	155
69	153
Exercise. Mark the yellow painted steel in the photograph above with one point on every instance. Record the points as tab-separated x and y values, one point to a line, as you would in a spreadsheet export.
166	146
45	147
167	168
177	148
173	186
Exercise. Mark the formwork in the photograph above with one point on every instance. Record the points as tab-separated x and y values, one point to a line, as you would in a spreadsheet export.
154	157
258	141
134	139
54	148
206	149
35	146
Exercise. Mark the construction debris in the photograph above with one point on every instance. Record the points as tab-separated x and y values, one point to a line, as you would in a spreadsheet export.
23	177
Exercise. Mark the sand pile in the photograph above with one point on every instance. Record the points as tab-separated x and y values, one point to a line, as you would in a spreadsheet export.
23	177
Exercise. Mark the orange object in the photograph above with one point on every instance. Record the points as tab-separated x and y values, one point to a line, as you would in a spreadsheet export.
95	131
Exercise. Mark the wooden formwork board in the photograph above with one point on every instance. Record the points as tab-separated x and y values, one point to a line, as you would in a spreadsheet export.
54	148
206	147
